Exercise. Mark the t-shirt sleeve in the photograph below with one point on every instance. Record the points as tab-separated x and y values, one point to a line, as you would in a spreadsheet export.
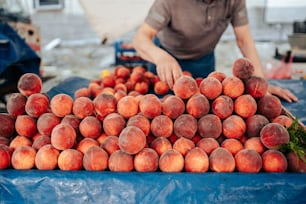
239	13
158	15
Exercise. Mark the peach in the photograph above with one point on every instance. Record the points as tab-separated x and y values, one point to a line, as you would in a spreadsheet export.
61	104
160	145
232	145
248	161
141	87
113	124
183	145
269	106
119	94
132	140
7	125
245	106
171	161
63	136
29	83
108	81
122	87
196	160
185	126
283	120
20	141
161	126
25	125
255	144
46	157
243	68
198	105
146	160
110	144
274	161
210	125
150	106
211	87
161	88
141	122
233	127
5	155
256	86
173	106
127	106
274	135
46	122
73	121
108	90
222	106
208	144
254	124
122	72
15	104
86	143
23	158
5	141
95	159
82	92
221	160
119	161
218	75
185	86
233	87
70	160
105	104
82	107
296	163
36	105
101	138
91	127
41	141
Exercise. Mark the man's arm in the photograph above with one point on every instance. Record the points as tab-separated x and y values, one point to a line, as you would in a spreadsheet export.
248	49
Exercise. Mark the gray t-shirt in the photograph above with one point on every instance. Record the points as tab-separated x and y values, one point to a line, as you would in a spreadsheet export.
190	29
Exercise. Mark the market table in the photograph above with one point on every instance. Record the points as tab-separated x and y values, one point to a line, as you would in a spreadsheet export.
37	186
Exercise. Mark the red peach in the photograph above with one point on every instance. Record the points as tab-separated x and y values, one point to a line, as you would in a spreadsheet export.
208	144
173	106
243	68
15	104
41	141
73	121
183	145
46	157
95	159
141	122
161	88
161	126
150	106
185	126
25	125
110	144
245	106
20	141
221	160
70	160
36	105
5	155
5	141
274	161
211	87
105	104
127	106
218	75
232	145
283	120
198	105
146	160
222	106
248	161
141	87
86	143
46	122
61	104
269	106
185	86
171	161
233	87
23	158
274	135
233	127
255	144
296	163
196	160
63	136
82	92
120	161
29	83
160	145
210	125
7	125
113	124
254	124
132	140
91	127
82	107
256	87
122	72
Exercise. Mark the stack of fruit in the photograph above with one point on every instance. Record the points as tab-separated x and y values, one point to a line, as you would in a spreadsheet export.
128	120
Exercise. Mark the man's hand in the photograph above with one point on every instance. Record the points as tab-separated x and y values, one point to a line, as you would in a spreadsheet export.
282	93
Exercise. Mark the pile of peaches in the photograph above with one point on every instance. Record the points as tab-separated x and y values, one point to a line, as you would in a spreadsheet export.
129	120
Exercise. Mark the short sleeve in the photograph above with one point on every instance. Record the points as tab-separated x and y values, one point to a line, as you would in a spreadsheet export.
159	14
239	13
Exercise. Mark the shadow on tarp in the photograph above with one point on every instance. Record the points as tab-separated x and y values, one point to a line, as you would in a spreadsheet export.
56	186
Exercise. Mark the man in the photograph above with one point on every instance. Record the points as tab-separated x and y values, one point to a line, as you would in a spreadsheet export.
186	33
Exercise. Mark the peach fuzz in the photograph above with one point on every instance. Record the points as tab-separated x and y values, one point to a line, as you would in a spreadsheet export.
233	127
46	157
171	161
274	161
105	104
211	87
232	145
82	92
70	160
283	120
210	125
41	141
132	140
120	161
255	144
269	106
46	122
222	106
245	106
61	104
15	104
141	87
274	135
256	86
254	124
19	140
5	141
248	161
233	87
110	144
183	145
113	124
84	144
29	83
37	104
25	125
221	160
185	86
243	68
161	126
196	160
82	107
218	75
146	160
73	121
160	145
23	158
63	136
198	105
122	72
119	94
127	106
208	144
173	106
5	155
161	88
185	126
91	127
141	122
95	159
7	125
150	106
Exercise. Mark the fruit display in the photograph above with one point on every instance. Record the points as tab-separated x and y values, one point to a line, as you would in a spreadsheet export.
129	120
